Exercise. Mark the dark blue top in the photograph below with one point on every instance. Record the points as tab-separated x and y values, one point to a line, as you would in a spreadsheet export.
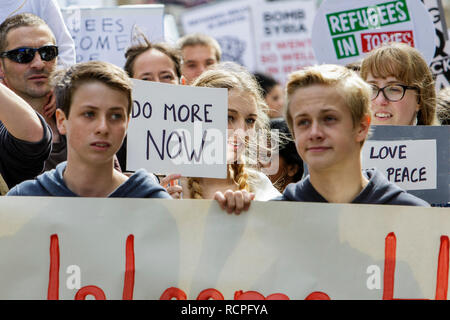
51	183
378	191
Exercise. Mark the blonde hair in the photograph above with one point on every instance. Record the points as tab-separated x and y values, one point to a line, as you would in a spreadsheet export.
234	77
407	64
355	92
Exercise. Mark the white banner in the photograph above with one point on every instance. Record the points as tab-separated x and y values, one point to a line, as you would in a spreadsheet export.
66	248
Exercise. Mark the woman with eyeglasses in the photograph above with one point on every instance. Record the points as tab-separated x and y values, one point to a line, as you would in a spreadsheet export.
403	90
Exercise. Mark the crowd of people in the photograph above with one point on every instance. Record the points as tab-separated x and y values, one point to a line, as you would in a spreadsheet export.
63	125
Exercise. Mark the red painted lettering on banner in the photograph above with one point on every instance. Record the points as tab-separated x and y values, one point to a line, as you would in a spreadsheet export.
53	281
294	44
211	293
254	295
369	41
265	46
389	266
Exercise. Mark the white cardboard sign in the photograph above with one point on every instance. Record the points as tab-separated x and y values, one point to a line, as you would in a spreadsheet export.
230	24
178	129
344	31
105	33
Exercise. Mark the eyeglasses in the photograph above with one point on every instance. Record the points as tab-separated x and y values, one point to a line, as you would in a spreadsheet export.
26	55
392	92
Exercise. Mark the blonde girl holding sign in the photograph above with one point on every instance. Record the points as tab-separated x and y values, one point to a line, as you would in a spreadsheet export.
246	116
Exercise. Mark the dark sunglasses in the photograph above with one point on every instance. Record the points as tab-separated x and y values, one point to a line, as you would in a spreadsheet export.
26	55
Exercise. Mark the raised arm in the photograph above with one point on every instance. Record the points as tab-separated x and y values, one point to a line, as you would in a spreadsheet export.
18	117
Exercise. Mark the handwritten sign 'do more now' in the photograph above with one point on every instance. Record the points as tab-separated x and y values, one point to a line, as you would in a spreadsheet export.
67	248
178	129
105	33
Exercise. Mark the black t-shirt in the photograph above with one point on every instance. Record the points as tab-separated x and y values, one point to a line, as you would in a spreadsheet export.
22	160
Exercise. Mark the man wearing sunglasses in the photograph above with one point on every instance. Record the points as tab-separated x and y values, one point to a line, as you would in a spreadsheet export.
28	55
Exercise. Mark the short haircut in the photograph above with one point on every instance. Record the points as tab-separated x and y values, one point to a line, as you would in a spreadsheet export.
266	81
199	39
232	76
17	21
407	64
355	91
66	82
134	51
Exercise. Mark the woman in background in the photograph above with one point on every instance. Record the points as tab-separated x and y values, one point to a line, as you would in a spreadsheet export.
273	94
288	164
